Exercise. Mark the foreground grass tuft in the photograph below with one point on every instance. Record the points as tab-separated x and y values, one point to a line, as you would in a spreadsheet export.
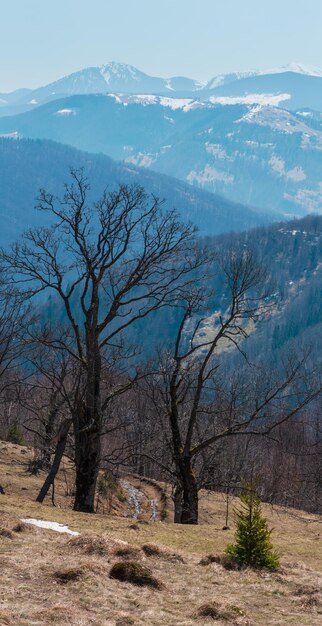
125	621
21	527
128	552
152	550
215	612
136	574
69	574
5	532
89	544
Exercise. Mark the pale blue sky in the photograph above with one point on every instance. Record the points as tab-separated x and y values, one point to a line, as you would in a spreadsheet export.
42	40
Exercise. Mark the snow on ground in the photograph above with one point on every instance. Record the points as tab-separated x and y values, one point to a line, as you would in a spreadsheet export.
186	104
265	99
135	497
58	528
14	135
65	112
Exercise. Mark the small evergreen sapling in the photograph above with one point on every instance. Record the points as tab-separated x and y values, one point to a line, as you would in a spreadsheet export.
252	539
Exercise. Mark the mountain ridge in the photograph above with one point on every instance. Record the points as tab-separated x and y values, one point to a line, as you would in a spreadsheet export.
124	78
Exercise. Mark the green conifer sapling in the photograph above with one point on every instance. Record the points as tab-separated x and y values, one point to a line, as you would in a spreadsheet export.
252	539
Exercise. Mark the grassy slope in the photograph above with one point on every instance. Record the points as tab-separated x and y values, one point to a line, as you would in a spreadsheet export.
31	596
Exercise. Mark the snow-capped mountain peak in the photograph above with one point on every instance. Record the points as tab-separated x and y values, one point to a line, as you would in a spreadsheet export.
297	68
120	71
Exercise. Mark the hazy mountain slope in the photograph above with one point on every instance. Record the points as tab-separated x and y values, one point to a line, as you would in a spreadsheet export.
112	77
26	165
292	254
298	85
259	155
302	90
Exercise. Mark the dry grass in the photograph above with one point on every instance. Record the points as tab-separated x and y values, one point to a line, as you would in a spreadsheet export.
32	595
135	574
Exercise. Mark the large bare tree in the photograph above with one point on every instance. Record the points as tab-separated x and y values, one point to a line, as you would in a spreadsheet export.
197	406
109	263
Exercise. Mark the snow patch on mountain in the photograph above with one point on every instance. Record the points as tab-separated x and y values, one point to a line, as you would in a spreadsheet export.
141	159
185	104
209	175
65	112
297	68
296	174
225	79
120	71
283	121
309	199
14	135
218	151
264	99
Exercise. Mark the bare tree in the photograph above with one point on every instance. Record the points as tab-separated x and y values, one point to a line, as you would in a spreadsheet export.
197	404
110	264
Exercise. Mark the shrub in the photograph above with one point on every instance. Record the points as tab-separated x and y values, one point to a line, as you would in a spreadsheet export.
134	573
15	436
252	539
107	485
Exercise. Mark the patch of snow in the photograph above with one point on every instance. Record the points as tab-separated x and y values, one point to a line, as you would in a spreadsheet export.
308	199
297	68
222	79
65	112
33	101
277	164
305	113
164	149
168	84
154	510
58	528
218	151
141	159
296	174
14	135
135	497
209	175
264	99
186	104
119	71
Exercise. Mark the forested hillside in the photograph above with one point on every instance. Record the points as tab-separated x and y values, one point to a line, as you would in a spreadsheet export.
25	166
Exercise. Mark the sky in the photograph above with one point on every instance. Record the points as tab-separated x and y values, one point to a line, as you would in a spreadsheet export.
43	40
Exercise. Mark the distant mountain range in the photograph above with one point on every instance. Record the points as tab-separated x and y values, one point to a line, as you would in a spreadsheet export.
294	86
258	155
26	165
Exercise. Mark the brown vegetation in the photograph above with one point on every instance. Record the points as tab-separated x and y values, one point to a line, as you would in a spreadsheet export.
31	594
136	574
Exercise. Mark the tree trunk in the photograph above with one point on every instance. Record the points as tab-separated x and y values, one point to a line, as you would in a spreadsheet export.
60	449
177	499
88	449
186	496
88	427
